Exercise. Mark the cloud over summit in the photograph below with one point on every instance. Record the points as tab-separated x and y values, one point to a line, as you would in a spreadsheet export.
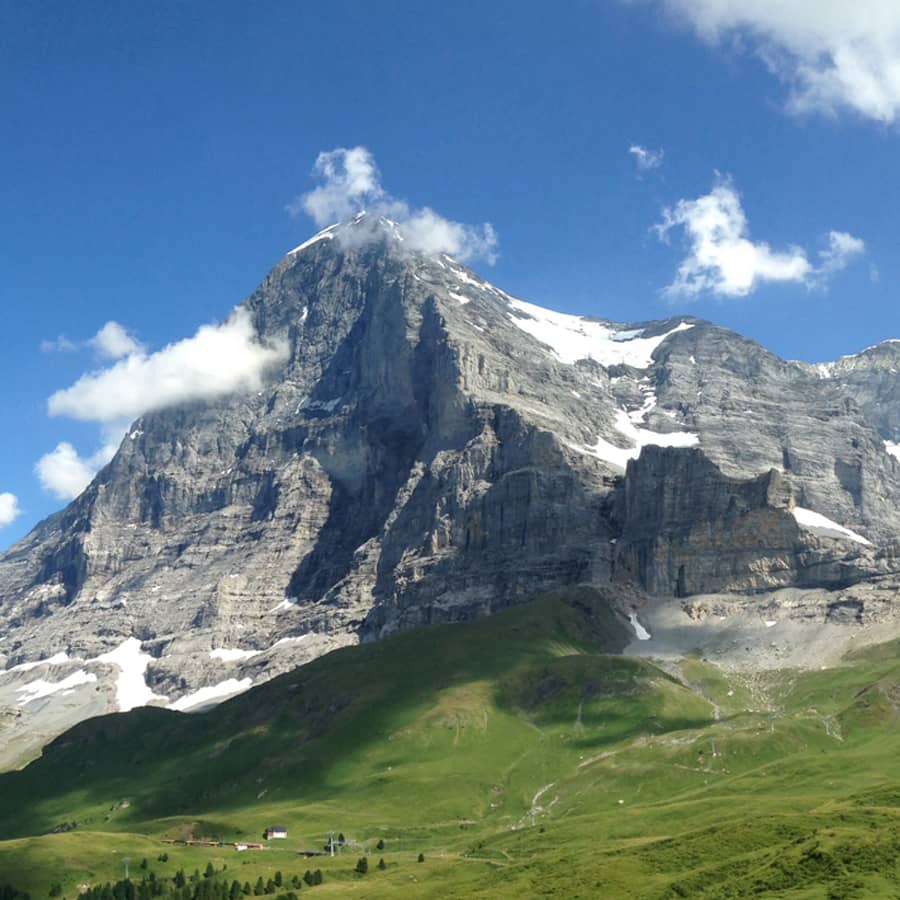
351	183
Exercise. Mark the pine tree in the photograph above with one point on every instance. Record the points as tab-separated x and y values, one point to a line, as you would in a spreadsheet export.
295	881
381	864
270	886
235	891
308	877
246	889
259	888
278	878
421	857
180	880
380	844
362	865
209	871
341	839
317	876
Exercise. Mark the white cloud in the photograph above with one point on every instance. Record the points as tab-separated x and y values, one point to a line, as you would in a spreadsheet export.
351	183
646	159
833	55
842	249
428	232
112	341
217	360
65	474
723	260
9	508
60	344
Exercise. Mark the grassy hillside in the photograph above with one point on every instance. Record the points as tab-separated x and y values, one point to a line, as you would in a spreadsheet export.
517	754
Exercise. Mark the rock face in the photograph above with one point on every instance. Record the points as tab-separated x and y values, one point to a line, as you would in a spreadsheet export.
431	450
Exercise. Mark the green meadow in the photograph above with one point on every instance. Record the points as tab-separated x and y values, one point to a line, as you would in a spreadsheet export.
520	755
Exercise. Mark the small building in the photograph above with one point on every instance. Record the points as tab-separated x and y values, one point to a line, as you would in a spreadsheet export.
275	832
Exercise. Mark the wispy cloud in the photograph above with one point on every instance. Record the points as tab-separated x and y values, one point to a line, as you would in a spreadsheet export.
217	360
723	260
65	474
60	344
832	55
9	509
351	183
112	341
646	160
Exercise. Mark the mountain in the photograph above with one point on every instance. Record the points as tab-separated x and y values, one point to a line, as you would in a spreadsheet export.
430	450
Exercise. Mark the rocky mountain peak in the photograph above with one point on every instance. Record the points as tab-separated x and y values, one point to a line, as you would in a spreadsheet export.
433	449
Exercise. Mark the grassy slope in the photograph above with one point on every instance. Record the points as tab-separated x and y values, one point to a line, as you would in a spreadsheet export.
438	741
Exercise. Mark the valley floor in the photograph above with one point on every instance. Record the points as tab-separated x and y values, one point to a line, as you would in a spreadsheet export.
515	754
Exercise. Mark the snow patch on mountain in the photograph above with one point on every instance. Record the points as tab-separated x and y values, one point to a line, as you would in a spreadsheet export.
572	338
132	662
638	438
892	448
55	660
35	690
232	654
212	694
640	632
326	234
825	527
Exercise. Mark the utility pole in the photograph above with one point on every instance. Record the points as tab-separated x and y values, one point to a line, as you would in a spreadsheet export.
127	860
331	842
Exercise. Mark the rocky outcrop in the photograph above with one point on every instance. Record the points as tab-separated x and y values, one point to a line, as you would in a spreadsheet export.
689	529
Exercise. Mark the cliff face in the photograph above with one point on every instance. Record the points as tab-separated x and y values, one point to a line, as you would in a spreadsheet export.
433	449
689	529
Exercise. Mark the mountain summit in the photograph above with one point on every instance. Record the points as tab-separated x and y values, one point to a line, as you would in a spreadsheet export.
431	449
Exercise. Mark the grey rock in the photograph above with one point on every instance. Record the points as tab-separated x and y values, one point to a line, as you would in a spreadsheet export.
424	456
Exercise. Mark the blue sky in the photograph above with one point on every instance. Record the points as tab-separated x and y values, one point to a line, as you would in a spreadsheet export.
150	152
